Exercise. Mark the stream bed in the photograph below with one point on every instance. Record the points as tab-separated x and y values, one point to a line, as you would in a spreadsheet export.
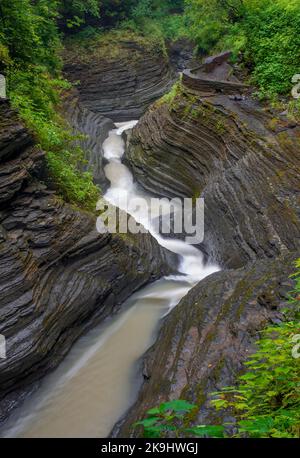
100	377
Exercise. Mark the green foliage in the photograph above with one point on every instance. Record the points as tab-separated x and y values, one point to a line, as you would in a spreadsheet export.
79	8
29	53
113	12
267	33
158	18
266	401
4	56
163	418
210	20
76	187
29	33
36	95
169	417
169	97
273	43
174	27
155	9
75	14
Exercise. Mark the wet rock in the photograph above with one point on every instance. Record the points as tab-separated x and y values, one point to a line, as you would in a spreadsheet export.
93	129
58	275
122	81
206	339
224	150
181	54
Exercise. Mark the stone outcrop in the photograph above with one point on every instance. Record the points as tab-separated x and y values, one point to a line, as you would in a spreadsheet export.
58	275
200	83
92	129
214	76
245	162
119	79
206	339
234	154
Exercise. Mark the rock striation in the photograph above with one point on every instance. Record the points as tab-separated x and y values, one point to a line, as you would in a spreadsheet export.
119	80
214	76
206	339
92	129
230	151
245	162
58	275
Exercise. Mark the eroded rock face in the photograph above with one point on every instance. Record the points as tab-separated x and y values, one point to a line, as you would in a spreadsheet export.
206	339
245	164
119	81
58	275
93	129
223	149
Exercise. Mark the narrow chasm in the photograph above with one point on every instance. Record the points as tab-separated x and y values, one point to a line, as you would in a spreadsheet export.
113	107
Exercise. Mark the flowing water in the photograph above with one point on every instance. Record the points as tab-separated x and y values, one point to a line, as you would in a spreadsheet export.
99	379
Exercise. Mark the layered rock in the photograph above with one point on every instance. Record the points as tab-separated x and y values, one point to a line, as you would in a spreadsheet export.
119	79
245	163
92	129
214	76
230	151
206	339
58	275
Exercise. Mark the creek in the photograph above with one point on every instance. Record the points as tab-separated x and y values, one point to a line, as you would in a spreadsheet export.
100	377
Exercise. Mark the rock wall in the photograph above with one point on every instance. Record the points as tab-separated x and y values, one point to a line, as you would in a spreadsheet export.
119	80
206	339
93	129
245	162
58	275
234	154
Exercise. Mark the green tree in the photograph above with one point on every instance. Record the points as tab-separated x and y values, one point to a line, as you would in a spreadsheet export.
29	32
273	43
210	20
75	13
267	33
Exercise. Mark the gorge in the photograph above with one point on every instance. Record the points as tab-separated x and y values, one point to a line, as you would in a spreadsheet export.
100	328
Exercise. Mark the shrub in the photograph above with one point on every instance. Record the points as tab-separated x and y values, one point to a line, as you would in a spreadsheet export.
36	95
266	32
169	418
266	402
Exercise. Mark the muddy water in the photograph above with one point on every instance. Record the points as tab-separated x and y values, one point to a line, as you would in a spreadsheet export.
99	379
